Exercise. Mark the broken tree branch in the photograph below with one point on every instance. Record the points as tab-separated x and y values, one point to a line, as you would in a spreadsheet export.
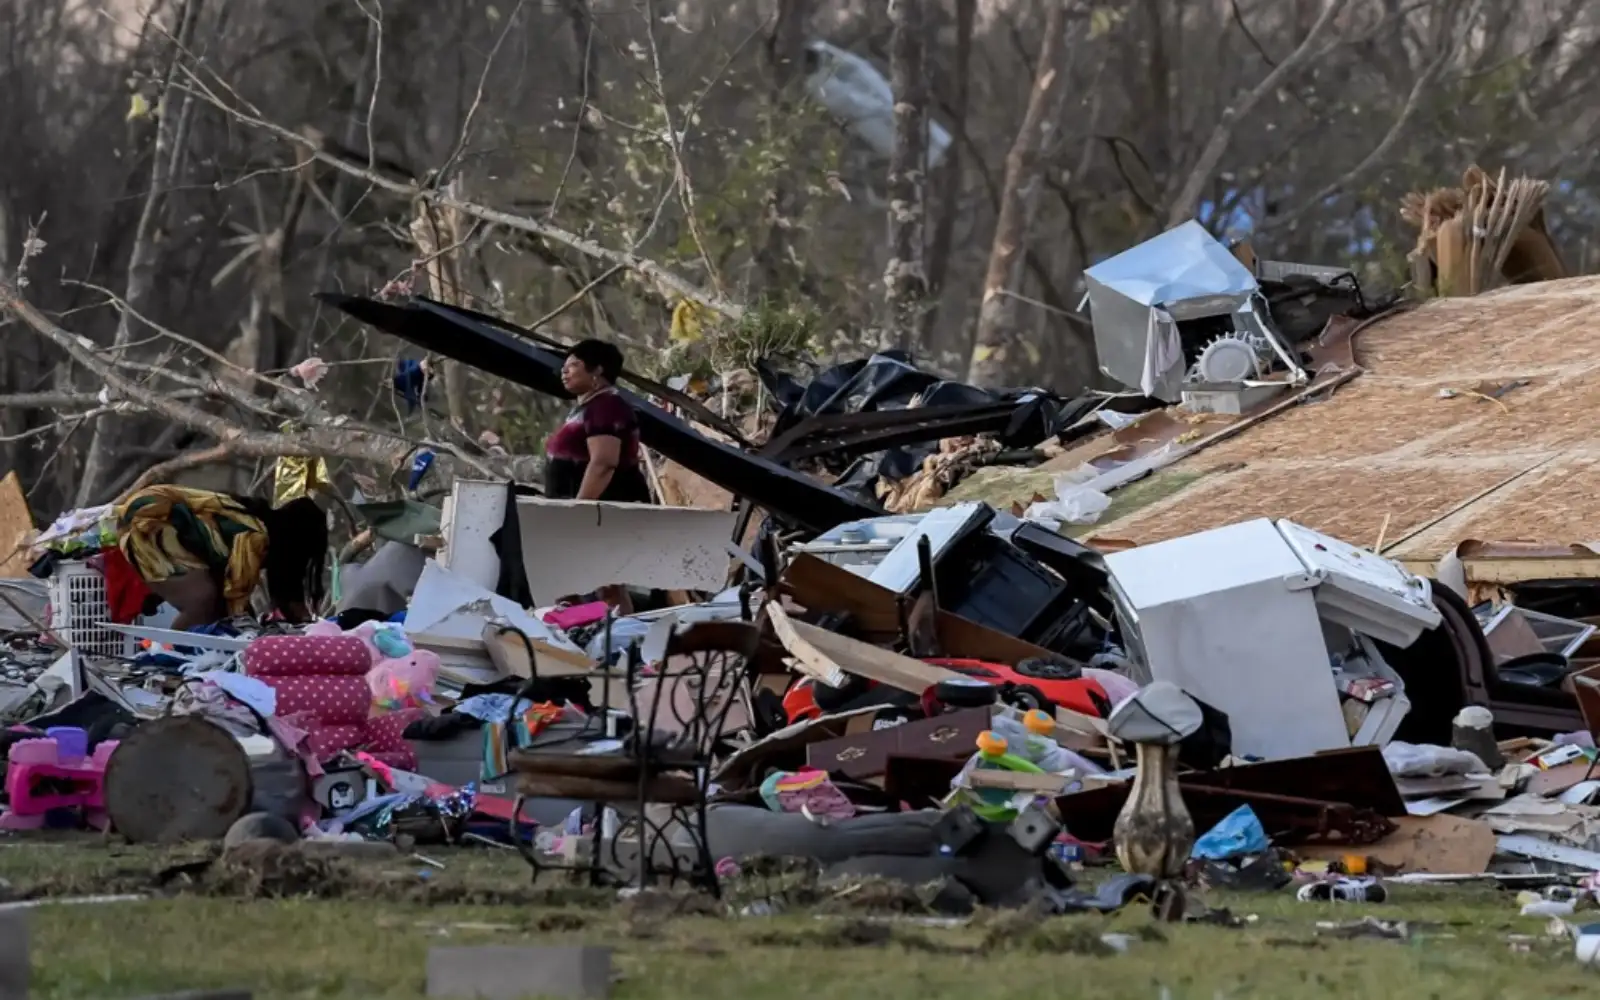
588	85
465	136
67	400
324	436
1379	153
675	140
181	463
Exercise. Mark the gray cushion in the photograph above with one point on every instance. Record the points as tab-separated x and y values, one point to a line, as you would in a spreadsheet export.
742	831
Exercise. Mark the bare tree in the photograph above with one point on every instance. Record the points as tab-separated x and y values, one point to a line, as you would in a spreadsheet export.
1024	178
301	136
143	259
786	50
950	170
906	279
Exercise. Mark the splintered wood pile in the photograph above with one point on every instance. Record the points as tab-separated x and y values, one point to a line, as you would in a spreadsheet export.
1485	233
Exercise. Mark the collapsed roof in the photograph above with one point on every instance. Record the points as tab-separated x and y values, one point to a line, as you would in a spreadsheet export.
1467	418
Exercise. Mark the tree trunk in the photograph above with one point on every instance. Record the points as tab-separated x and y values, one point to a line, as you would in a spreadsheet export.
266	326
950	170
439	234
784	205
906	279
343	185
10	360
146	248
588	48
996	320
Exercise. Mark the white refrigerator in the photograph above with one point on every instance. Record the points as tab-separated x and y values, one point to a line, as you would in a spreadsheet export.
1234	617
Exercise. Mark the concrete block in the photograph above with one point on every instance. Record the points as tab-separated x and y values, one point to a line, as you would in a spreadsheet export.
516	972
14	956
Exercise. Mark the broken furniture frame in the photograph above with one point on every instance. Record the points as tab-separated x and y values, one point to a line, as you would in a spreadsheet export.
1352	789
679	712
1452	667
1305	818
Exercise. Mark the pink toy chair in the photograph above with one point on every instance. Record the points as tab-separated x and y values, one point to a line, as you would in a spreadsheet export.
39	780
321	683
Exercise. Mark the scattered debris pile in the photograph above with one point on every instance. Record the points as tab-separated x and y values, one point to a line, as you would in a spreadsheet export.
940	709
1484	233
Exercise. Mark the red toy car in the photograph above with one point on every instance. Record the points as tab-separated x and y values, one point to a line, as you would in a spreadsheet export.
1033	683
1036	683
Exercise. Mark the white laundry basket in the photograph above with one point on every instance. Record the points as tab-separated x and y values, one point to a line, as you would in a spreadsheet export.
78	606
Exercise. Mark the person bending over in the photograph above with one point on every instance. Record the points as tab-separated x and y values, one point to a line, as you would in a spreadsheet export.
204	552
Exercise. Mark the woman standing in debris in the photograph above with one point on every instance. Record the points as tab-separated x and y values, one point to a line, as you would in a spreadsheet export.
594	454
204	552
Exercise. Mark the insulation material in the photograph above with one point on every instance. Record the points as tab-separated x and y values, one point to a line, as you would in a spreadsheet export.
576	546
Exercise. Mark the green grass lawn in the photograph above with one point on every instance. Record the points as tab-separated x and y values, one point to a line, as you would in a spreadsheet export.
363	931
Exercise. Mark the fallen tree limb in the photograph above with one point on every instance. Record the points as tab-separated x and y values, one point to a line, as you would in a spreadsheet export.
179	463
69	400
332	437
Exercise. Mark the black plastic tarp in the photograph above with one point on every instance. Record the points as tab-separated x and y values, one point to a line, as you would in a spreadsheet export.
792	497
889	381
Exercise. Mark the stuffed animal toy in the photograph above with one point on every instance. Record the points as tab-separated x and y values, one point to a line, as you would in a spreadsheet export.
384	640
404	682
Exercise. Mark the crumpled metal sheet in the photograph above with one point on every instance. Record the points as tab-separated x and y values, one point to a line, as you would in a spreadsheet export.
1185	264
1136	297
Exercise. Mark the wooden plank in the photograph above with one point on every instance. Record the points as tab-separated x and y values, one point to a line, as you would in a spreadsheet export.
820	652
1019	781
819	587
1440	844
448	643
16	528
1510	569
804	657
508	653
1558	779
1587	689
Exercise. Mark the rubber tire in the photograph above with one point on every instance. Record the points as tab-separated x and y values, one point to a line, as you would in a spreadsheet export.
1027	697
959	694
1050	668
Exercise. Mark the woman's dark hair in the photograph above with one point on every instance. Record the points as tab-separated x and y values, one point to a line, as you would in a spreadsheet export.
297	552
597	354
